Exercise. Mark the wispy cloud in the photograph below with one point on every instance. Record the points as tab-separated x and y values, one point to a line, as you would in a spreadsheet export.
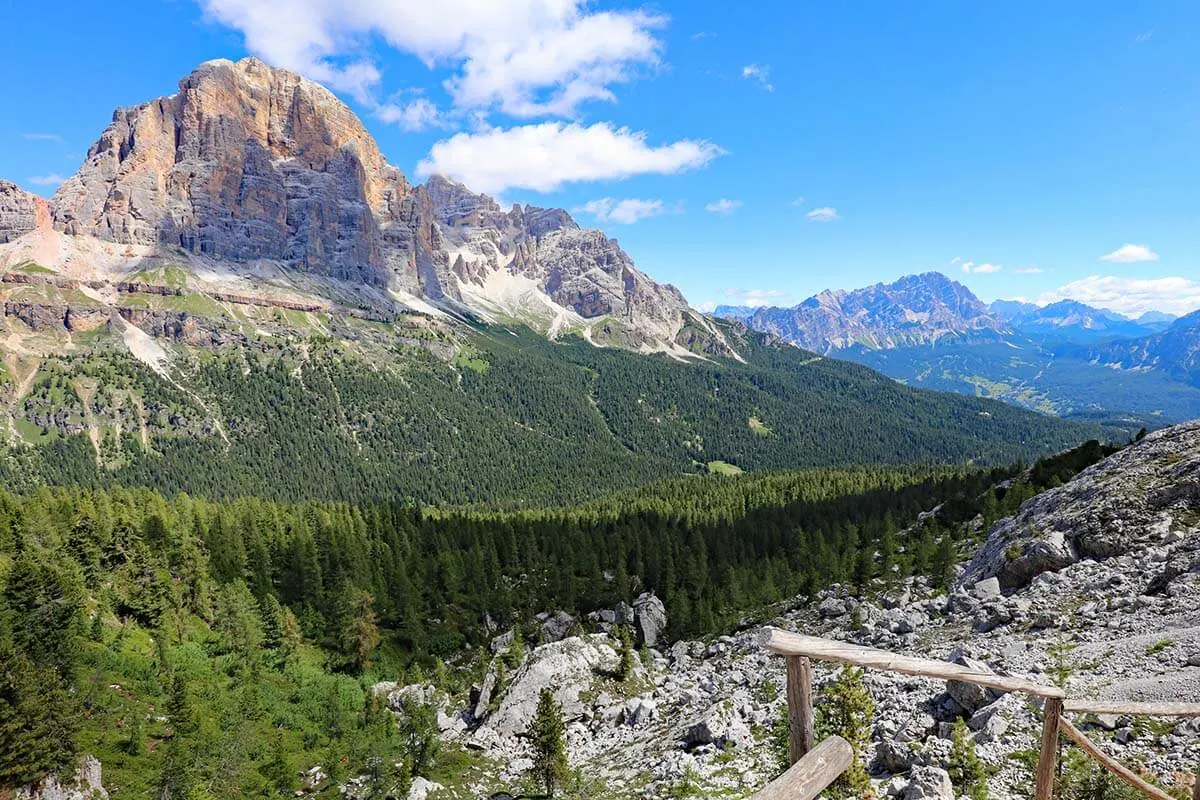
723	206
51	179
755	297
42	137
1142	38
1173	295
1029	270
698	35
760	73
798	202
1130	254
623	212
823	214
986	268
415	115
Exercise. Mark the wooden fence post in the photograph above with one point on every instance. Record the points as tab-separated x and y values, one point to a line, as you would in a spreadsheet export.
800	707
1049	756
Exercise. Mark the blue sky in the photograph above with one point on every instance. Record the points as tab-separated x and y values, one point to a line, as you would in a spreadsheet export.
762	154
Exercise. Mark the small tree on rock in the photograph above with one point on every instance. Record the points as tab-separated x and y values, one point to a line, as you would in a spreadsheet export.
548	733
625	667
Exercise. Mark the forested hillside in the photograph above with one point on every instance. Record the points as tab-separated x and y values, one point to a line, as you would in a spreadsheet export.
217	648
512	418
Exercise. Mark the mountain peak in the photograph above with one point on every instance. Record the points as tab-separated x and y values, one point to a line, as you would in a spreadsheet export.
248	163
915	309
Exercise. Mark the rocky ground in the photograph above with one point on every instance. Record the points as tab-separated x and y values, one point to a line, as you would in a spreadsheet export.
1096	583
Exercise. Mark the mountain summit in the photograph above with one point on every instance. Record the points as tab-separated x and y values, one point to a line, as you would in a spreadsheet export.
917	309
250	168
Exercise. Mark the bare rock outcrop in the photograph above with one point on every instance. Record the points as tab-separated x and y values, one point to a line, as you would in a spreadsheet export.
20	211
86	785
1143	494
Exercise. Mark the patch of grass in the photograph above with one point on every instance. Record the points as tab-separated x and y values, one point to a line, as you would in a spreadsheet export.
471	362
724	468
1159	646
33	268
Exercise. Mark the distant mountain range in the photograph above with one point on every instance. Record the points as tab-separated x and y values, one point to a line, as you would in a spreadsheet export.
1067	358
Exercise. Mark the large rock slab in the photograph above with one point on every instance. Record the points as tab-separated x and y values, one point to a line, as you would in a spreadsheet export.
1144	494
569	668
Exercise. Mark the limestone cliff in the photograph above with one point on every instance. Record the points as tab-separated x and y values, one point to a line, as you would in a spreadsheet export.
248	164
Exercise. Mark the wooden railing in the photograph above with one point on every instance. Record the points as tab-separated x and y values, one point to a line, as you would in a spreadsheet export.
800	649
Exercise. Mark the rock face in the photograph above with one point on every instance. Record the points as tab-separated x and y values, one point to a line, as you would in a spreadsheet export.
1143	495
568	668
87	785
649	620
248	163
20	211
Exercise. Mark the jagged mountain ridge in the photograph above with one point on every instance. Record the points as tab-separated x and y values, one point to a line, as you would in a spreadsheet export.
247	164
1065	358
917	309
1175	351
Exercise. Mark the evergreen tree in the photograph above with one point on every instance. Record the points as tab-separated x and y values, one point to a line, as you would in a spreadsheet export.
967	772
626	664
358	633
845	710
548	736
419	738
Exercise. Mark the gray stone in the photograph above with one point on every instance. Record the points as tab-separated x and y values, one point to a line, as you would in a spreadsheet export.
969	696
557	627
929	783
649	619
987	589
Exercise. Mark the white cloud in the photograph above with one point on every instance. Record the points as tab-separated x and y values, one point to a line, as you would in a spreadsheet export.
972	268
798	202
823	214
525	57
1142	38
416	115
543	157
1130	254
723	206
1029	270
760	73
707	307
42	137
1129	296
755	297
623	212
52	179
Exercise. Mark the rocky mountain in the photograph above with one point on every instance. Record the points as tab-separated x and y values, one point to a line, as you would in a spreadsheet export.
927	330
249	170
1068	320
1156	320
1175	351
917	309
1095	583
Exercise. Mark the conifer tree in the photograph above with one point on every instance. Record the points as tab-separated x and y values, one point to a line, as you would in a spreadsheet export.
548	735
846	710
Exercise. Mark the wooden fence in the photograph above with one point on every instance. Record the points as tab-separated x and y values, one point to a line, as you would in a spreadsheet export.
812	765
